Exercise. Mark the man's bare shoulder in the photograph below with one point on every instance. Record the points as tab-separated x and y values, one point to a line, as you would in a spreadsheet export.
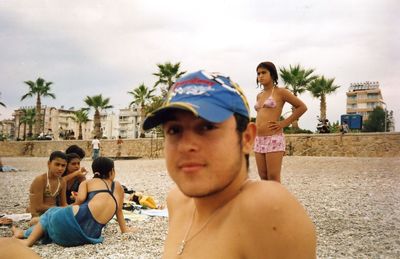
38	184
39	180
273	217
268	197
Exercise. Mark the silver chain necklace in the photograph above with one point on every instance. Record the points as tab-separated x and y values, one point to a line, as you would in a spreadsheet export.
185	240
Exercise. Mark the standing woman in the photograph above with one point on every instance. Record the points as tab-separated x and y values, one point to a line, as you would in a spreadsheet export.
269	146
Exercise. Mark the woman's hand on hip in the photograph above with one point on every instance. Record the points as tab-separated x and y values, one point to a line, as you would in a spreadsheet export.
274	125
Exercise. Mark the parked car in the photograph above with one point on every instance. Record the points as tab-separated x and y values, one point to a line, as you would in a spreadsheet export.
45	137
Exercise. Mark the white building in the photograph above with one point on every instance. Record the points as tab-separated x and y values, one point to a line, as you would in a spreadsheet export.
109	125
60	124
129	121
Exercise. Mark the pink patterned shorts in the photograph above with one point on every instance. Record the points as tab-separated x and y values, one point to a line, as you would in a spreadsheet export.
268	144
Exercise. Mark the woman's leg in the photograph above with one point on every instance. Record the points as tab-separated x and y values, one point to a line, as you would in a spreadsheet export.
274	165
261	165
36	234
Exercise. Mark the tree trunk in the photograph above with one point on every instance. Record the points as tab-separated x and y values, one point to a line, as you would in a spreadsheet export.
323	107
38	117
19	130
141	134
30	134
80	131
25	131
97	124
295	123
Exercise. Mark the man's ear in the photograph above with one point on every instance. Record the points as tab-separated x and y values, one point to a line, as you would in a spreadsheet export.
248	137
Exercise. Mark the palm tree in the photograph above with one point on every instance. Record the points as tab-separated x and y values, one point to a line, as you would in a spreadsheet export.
97	103
155	103
141	96
321	87
38	89
81	116
296	80
167	74
28	118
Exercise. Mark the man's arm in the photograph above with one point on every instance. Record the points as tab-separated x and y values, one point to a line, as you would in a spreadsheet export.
277	226
81	173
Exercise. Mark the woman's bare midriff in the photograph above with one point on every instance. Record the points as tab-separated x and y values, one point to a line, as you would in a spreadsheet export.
264	116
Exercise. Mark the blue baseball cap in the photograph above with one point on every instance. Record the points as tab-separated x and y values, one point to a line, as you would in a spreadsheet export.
210	96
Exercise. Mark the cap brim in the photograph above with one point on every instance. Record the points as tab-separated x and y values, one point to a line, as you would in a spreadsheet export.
208	111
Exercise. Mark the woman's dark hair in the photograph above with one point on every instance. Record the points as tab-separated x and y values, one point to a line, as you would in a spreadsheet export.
77	150
57	154
71	156
102	167
272	70
241	125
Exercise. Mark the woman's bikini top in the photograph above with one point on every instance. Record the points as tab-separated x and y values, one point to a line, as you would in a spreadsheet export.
269	103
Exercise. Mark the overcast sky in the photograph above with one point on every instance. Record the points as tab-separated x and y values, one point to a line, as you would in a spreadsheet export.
111	47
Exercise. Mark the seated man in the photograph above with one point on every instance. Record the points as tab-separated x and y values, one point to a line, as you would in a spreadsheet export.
46	187
215	210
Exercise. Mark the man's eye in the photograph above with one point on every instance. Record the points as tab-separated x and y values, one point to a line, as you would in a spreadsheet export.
208	126
172	130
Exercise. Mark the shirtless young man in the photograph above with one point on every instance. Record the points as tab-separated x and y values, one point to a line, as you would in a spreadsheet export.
46	187
215	211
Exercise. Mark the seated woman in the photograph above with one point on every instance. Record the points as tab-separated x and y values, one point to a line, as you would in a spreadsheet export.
46	187
98	200
73	176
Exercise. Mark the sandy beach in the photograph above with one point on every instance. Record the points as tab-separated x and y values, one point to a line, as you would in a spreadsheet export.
354	203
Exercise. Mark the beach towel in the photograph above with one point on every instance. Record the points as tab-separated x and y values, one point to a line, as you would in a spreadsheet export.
133	216
159	213
61	227
18	217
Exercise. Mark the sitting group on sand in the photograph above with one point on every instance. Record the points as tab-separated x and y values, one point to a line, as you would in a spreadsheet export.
215	210
69	210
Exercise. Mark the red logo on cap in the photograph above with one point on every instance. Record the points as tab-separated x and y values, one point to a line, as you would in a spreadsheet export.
193	81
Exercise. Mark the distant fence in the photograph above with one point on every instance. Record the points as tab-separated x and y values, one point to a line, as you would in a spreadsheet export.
350	145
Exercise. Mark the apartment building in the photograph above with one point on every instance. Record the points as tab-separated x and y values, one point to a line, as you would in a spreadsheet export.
109	125
58	123
363	97
63	125
7	129
129	123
